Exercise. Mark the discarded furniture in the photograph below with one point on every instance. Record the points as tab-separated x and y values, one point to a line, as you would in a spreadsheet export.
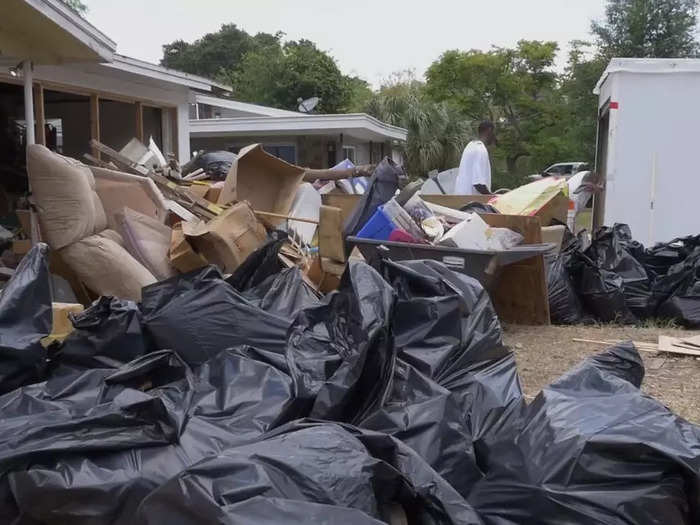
76	222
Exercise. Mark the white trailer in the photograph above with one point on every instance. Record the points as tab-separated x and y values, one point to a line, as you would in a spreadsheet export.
648	149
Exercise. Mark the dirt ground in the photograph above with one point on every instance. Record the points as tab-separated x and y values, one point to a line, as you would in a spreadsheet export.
545	353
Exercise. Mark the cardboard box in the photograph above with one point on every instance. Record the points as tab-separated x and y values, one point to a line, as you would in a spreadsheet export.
182	256
228	239
266	182
21	247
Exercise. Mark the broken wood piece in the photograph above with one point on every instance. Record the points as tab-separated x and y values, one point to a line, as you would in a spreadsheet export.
288	217
673	345
642	345
330	174
693	341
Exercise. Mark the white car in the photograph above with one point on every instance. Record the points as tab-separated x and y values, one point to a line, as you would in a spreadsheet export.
561	169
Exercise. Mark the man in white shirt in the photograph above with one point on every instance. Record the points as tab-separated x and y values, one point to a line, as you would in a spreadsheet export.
475	168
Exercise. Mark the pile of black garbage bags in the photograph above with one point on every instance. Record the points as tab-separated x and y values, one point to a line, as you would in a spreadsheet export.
616	279
392	400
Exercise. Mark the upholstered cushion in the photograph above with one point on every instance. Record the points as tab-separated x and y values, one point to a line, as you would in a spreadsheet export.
148	240
107	268
64	192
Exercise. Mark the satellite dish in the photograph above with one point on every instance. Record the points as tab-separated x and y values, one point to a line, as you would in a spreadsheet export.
308	105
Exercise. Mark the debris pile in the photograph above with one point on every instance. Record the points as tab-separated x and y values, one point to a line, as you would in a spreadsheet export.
616	279
252	400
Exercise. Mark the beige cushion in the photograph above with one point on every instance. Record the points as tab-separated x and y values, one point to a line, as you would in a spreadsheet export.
148	240
117	190
64	192
106	268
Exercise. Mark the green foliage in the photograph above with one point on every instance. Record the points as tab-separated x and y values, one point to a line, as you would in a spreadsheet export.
79	6
516	89
437	133
265	70
648	29
215	53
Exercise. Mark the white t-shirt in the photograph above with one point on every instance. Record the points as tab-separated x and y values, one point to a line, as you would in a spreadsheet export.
474	168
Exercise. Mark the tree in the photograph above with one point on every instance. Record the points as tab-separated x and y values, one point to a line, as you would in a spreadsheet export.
79	6
436	133
515	88
265	70
648	29
279	75
214	54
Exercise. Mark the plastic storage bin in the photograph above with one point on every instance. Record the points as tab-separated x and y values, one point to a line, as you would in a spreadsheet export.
378	227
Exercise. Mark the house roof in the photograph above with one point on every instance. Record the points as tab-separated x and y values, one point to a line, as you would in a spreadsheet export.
50	32
648	66
140	67
246	107
358	125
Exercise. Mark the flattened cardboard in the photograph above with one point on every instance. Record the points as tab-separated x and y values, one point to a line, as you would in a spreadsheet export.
266	182
228	239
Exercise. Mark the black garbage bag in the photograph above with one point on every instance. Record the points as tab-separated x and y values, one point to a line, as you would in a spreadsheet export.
283	294
679	290
107	335
592	448
260	264
603	294
565	306
658	259
25	318
199	315
341	353
612	251
386	179
143	403
235	399
308	473
216	164
453	378
478	207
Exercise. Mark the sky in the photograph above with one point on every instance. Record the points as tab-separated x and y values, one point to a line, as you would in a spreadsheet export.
368	38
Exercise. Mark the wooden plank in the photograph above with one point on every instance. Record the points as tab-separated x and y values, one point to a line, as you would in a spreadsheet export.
456	201
139	121
330	233
345	202
520	295
95	124
287	217
39	114
671	345
311	175
692	341
205	207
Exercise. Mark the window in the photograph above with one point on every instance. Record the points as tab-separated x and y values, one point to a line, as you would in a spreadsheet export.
349	153
286	152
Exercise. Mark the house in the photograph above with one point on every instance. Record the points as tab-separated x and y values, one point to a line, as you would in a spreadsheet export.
75	86
306	139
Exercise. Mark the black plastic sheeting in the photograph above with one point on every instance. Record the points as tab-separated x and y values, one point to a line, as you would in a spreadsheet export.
592	448
616	279
216	164
386	179
391	399
25	318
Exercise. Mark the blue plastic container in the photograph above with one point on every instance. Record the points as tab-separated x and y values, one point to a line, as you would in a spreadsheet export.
378	227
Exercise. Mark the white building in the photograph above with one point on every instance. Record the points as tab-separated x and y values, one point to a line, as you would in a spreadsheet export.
649	111
309	140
